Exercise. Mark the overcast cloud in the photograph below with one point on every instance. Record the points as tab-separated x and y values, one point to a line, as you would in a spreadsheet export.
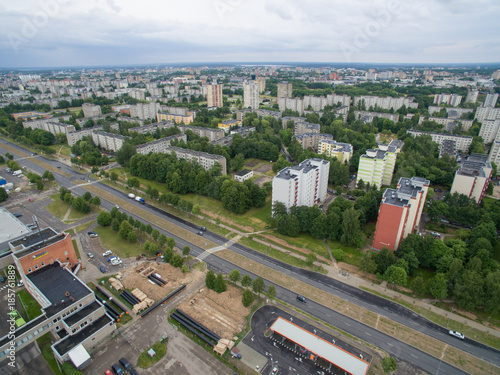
40	33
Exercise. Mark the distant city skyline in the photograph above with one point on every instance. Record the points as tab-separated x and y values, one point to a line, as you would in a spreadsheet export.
57	33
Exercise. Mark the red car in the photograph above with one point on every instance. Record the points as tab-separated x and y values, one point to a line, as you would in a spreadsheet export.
108	372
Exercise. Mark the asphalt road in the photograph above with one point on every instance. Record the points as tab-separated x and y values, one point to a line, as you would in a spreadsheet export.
364	299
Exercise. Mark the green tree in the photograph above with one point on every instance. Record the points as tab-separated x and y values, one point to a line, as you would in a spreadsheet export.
162	240
210	279
248	297
132	236
177	261
155	234
395	274
389	365
87	196
186	250
2	160
196	209
367	263
96	201
125	229
149	229
384	259
271	291
338	254
235	276
124	154
3	195
246	281
40	185
351	228
170	242
220	283
288	225
438	287
104	218
115	224
113	176
418	285
492	292
258	285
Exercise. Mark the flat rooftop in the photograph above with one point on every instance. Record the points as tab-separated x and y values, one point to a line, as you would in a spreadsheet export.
32	238
322	348
10	229
70	342
59	286
36	243
82	313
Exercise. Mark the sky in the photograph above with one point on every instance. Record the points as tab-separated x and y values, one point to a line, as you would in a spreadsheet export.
53	33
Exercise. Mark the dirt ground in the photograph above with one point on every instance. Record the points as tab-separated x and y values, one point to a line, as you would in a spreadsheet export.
251	164
222	313
173	276
262	180
263	168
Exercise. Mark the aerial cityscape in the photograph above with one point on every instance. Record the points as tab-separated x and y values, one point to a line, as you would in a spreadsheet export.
268	188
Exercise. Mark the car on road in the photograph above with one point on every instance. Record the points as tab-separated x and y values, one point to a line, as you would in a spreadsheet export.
90	255
203	229
457	334
117	207
103	269
82	178
106	253
92	234
117	369
116	262
126	364
301	299
200	233
60	168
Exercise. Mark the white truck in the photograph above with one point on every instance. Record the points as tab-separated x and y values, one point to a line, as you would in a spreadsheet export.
18	172
140	200
131	196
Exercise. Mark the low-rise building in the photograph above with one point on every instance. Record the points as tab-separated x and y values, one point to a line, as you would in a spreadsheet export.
243	175
341	151
204	159
473	177
177	118
462	142
160	145
228	124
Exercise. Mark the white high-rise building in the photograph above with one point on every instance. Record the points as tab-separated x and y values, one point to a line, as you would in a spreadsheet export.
490	131
494	156
285	90
491	100
302	185
473	177
251	95
449	99
472	96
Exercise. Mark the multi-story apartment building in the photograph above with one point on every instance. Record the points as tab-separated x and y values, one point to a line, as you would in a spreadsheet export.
400	212
211	134
144	111
317	103
450	123
70	311
302	127
178	119
82	121
384	103
312	141
473	177
491	100
368	116
494	155
487	113
240	115
251	97
204	159
472	96
490	130
449	99
285	90
462	142
334	149
91	110
261	81
50	126
214	95
75	136
376	167
152	127
452	112
108	141
302	185
160	145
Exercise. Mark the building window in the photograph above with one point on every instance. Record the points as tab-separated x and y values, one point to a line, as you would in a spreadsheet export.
36	266
29	270
67	258
42	264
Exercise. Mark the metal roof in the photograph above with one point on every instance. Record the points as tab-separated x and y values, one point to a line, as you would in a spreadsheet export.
321	347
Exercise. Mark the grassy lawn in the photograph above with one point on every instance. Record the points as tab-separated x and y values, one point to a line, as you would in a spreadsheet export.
112	241
145	361
30	306
44	343
58	207
83	227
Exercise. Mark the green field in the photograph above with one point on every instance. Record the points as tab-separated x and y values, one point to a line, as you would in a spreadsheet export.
31	308
145	361
112	241
44	344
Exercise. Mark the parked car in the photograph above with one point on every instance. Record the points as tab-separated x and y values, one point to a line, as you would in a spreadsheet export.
117	369
113	257
92	234
116	262
133	372
457	334
126	364
90	255
106	253
108	372
20	283
103	269
301	299
60	168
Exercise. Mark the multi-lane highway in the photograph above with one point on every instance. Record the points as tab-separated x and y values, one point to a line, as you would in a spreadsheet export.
363	299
